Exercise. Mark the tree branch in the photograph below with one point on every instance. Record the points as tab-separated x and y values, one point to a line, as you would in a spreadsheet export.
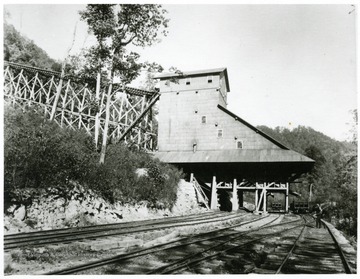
129	41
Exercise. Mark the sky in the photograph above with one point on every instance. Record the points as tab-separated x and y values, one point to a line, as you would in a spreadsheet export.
288	65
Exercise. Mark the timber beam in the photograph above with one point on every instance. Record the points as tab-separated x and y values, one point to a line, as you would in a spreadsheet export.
261	190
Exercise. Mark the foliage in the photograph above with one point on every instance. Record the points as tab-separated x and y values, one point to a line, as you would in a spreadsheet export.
39	155
32	254
347	186
334	176
118	180
347	182
80	67
20	49
161	177
325	151
8	269
353	126
117	26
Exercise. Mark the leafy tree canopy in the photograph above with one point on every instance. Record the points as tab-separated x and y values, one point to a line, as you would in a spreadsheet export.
334	177
117	26
19	49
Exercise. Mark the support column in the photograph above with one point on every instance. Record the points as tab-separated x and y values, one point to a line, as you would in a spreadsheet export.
256	197
191	177
264	200
287	198
214	199
235	203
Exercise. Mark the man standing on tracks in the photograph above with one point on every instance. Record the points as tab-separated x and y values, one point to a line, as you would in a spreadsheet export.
318	215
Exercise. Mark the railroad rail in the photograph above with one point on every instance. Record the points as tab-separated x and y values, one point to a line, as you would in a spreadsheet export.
179	245
315	251
289	246
40	238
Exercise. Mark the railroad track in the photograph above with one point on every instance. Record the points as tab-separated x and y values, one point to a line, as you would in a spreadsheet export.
315	251
139	258
41	238
286	247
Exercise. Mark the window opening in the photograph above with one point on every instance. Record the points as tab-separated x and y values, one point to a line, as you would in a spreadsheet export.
194	146
239	144
203	119
220	133
187	81
209	79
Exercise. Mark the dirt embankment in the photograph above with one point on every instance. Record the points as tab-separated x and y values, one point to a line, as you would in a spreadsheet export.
86	208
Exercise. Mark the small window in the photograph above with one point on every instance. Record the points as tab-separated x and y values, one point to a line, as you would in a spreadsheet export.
220	133
203	119
187	81
239	144
210	79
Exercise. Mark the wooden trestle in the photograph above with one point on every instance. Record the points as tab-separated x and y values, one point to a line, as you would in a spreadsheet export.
261	190
74	105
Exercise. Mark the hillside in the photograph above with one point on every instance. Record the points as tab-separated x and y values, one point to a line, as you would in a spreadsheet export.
52	179
334	176
20	49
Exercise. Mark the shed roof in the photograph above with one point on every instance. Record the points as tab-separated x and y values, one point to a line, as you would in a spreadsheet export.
232	156
196	73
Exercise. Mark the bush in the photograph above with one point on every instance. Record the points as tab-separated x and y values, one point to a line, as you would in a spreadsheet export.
116	179
40	155
160	184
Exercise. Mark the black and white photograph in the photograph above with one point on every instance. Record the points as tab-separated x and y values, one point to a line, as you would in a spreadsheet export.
195	138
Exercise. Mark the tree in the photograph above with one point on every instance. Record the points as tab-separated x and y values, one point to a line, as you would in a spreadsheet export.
20	49
347	183
115	27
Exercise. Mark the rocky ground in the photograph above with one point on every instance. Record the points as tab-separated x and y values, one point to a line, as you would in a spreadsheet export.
86	208
41	260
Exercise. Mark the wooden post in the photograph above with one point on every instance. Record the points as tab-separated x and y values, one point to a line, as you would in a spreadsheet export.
287	198
264	202
32	93
57	96
256	197
97	120
18	82
214	199
235	203
64	105
310	192
191	177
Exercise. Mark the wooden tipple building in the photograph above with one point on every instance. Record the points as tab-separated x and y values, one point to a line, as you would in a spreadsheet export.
200	135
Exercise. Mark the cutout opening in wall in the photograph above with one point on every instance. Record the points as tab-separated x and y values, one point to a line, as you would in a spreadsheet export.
239	144
203	119
220	133
187	81
209	79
